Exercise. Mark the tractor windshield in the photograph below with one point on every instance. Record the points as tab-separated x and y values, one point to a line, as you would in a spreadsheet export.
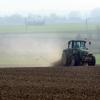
79	44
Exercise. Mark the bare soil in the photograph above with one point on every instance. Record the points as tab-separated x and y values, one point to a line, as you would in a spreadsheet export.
50	83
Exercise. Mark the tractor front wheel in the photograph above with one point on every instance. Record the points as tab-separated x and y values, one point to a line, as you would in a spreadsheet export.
92	62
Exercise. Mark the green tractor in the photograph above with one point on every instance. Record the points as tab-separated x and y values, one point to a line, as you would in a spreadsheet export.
77	54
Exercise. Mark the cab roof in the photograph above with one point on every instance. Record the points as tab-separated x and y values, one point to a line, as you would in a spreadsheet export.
77	41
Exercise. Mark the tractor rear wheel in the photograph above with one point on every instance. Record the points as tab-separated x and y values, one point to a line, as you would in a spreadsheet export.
65	59
75	61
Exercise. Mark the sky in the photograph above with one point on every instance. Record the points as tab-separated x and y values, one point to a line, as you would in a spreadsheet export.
8	7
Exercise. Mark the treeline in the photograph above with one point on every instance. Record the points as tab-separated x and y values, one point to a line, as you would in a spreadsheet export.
71	17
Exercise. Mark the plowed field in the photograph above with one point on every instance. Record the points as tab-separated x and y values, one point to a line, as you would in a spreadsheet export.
50	83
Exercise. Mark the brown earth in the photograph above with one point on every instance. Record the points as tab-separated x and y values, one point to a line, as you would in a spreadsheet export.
50	83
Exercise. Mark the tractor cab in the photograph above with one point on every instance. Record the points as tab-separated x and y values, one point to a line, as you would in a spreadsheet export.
77	44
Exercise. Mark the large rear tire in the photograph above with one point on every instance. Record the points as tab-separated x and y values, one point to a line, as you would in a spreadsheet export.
65	59
70	61
75	61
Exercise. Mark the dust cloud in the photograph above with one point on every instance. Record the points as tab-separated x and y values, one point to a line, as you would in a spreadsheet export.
35	49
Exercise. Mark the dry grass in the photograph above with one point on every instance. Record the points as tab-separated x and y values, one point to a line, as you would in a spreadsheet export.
50	83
